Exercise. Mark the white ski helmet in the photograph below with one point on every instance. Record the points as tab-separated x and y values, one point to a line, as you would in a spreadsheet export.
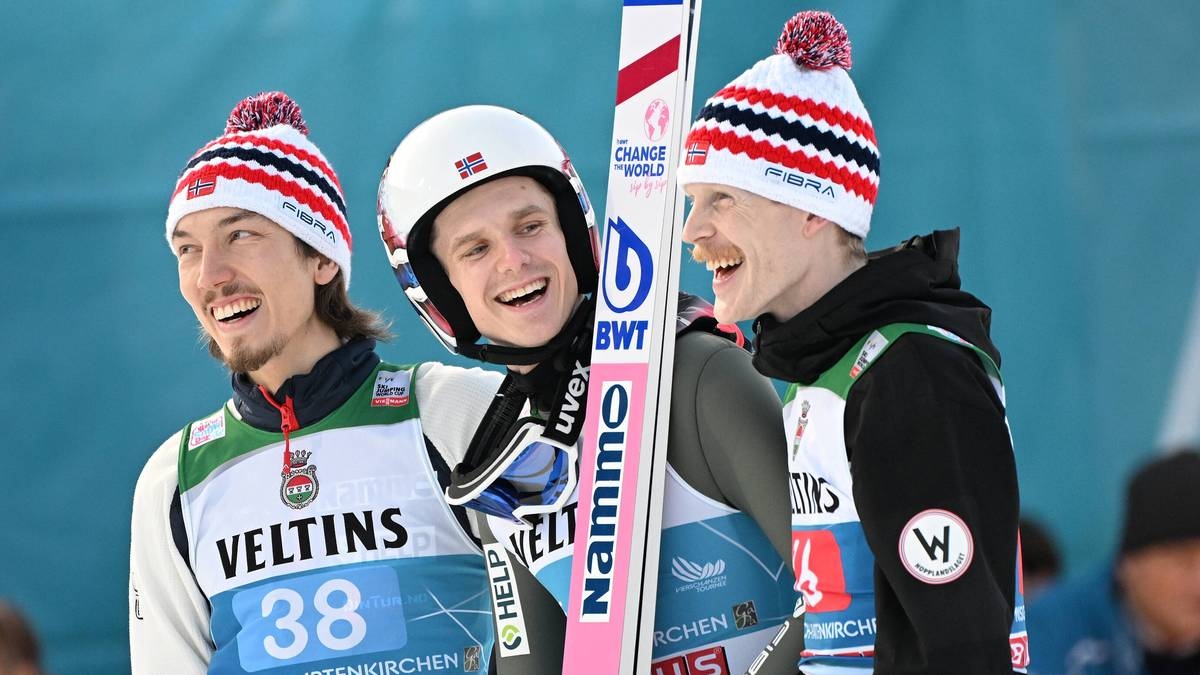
438	161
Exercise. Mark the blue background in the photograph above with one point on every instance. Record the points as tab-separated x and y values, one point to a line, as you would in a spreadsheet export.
1063	137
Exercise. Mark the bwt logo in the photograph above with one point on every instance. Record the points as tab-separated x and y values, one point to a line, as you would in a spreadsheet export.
628	268
606	500
628	272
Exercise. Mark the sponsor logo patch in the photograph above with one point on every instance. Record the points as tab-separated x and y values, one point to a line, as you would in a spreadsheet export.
206	430
710	661
1018	645
817	559
391	389
506	604
472	658
745	615
936	546
657	119
870	349
698	577
601	528
801	180
628	268
812	494
327	231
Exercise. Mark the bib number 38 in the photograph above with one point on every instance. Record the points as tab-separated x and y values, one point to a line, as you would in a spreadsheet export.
317	617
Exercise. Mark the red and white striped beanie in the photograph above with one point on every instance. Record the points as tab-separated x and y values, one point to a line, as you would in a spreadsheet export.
265	163
793	129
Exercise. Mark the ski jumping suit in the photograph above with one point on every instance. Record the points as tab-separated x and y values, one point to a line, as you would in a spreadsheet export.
326	548
903	481
724	588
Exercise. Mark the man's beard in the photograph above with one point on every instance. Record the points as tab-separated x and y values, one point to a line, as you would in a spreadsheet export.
245	359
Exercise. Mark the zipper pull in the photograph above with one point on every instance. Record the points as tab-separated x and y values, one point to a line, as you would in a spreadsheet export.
287	424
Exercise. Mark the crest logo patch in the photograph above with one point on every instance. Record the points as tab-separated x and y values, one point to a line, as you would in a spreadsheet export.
299	487
800	426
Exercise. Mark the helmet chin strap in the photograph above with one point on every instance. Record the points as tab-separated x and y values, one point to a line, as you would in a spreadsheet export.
568	358
504	355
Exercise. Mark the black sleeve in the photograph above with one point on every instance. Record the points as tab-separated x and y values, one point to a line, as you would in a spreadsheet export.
924	430
727	441
545	623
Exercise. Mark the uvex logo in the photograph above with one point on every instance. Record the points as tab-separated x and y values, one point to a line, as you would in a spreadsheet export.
569	415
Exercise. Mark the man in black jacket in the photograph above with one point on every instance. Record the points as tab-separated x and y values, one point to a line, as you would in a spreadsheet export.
904	489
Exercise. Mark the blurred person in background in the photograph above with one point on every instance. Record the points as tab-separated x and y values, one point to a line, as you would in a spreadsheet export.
1138	615
20	653
1040	559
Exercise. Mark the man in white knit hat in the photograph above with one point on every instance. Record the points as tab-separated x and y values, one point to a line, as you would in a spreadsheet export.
300	527
904	488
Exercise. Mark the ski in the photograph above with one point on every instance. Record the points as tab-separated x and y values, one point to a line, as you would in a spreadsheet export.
614	574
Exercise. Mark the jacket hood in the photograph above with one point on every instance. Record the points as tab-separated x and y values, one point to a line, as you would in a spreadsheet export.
915	282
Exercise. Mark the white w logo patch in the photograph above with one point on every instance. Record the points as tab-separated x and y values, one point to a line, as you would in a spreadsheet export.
689	572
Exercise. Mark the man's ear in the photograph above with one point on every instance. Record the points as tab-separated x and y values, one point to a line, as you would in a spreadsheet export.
325	270
814	224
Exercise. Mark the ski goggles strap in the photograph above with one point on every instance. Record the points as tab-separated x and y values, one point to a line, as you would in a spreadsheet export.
529	476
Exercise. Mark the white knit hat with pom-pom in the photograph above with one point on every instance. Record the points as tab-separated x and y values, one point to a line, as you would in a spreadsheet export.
793	129
265	163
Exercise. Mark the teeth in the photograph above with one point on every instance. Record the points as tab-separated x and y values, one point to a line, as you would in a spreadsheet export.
713	265
226	311
508	296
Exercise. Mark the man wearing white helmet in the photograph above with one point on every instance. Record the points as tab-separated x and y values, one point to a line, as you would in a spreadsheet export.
300	527
491	235
905	505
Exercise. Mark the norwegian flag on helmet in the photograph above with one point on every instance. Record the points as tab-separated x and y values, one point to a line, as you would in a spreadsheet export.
470	165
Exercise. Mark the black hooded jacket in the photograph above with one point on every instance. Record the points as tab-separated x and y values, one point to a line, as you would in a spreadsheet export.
924	429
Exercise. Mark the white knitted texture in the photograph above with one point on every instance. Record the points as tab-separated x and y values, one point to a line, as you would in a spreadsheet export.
251	196
804	191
